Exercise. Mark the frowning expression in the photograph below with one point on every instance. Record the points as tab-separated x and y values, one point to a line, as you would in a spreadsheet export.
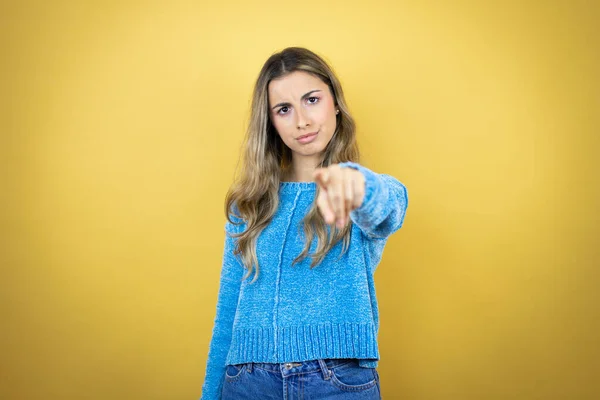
301	104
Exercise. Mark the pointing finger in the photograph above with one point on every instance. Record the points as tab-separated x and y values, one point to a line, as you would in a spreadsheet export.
325	207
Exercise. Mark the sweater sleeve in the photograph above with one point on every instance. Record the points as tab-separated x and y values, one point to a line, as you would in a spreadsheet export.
229	289
384	204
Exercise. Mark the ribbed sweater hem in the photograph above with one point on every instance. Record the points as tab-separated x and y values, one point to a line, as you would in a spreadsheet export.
304	342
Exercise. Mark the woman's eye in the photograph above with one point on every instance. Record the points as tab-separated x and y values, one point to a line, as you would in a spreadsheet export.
284	110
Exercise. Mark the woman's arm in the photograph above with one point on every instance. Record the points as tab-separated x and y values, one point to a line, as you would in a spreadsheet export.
384	204
229	289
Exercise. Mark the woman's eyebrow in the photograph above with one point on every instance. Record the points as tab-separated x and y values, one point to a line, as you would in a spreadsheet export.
302	98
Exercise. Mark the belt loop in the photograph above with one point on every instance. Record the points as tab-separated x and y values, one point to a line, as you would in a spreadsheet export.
249	367
324	369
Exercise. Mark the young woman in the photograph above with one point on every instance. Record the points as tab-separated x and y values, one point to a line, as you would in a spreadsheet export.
309	223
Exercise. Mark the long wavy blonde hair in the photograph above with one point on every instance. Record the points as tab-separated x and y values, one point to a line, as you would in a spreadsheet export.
254	195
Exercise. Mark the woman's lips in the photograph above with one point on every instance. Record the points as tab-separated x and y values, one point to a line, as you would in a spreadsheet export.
309	138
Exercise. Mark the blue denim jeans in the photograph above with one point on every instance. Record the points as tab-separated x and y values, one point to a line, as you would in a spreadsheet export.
336	379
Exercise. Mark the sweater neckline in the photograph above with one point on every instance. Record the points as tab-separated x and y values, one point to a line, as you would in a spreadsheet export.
293	187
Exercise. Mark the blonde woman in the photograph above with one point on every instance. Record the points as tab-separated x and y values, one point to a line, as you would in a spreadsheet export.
308	224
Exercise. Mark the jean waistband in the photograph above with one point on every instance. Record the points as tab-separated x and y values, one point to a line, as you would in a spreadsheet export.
302	366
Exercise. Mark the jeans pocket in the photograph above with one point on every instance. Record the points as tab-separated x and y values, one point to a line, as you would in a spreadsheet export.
352	377
234	372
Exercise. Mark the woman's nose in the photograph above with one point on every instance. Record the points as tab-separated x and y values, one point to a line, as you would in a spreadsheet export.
302	119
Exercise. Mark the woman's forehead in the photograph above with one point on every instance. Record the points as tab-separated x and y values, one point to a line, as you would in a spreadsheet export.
293	86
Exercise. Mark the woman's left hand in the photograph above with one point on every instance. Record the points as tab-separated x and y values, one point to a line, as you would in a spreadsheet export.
341	191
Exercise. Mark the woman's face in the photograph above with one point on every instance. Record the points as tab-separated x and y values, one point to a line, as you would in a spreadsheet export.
301	104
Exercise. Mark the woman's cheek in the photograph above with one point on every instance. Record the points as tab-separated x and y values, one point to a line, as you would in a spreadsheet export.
282	132
279	127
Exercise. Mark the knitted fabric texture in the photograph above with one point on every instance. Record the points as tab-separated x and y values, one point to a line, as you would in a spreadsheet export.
294	313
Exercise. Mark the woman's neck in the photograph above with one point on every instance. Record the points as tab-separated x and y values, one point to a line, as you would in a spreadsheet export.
300	172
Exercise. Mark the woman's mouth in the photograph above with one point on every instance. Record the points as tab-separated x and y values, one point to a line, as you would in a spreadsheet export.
308	138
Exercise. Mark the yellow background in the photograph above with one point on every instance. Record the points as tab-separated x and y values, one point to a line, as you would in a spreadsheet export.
121	124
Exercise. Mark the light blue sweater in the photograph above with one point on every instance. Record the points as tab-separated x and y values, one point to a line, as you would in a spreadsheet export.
294	313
